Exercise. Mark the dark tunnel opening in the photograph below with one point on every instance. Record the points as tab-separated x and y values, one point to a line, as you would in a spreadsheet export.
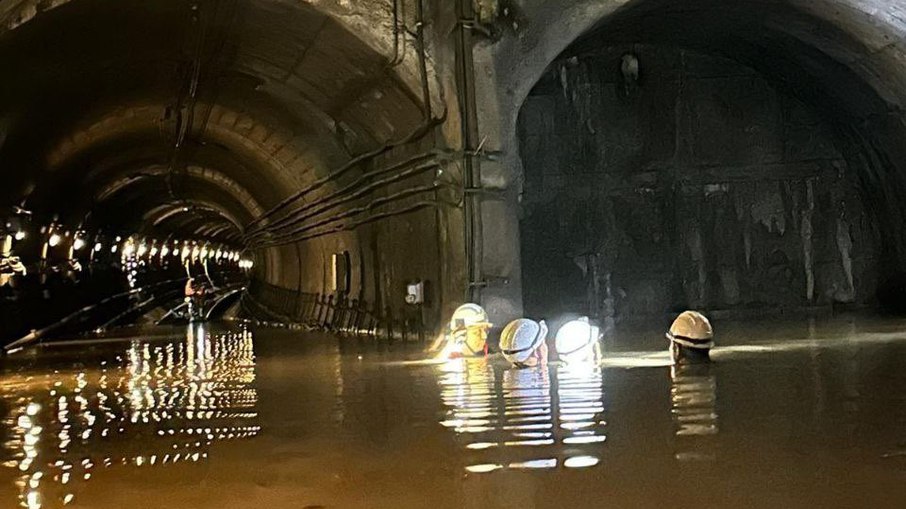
710	155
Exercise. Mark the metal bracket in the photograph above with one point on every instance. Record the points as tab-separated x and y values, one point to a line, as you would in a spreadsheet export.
474	24
490	281
482	191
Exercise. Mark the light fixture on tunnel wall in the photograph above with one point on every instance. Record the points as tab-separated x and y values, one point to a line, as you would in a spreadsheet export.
15	223
79	241
339	274
128	248
54	239
98	246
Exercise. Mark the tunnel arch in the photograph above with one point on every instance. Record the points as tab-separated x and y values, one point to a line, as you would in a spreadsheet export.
875	25
842	62
287	93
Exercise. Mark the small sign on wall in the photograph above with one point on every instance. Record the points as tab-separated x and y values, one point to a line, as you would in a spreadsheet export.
415	293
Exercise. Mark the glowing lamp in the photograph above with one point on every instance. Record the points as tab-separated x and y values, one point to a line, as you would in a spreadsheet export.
576	339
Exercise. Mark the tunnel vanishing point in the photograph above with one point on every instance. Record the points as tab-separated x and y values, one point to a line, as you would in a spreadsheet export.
372	164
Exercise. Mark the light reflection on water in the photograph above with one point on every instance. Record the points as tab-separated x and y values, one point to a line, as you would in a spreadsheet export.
693	397
800	422
520	419
156	405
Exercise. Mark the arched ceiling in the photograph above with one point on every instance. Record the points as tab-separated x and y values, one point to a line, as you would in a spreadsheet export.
797	47
866	37
205	112
847	58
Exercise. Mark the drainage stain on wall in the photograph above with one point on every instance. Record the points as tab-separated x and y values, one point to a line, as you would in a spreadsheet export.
692	182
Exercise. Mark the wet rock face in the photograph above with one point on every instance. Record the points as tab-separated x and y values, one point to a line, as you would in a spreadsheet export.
689	182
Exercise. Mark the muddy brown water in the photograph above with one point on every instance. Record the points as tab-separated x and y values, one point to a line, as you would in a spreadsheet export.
790	414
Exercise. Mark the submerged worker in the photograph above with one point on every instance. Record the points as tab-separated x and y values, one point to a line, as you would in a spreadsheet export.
691	338
10	266
195	294
523	343
467	335
578	341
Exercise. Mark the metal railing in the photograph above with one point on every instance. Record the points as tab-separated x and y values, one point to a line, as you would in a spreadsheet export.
339	314
39	334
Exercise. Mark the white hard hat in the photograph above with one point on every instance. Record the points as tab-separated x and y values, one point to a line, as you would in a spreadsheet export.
574	336
521	338
693	330
468	315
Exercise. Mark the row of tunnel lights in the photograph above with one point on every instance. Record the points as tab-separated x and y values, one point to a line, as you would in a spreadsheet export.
140	248
185	250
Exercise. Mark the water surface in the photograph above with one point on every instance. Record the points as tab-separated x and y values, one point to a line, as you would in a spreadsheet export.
795	414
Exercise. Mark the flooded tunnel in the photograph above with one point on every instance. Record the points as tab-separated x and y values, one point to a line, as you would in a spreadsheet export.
413	253
238	124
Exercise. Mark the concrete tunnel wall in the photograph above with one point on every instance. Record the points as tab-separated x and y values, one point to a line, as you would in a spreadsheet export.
847	56
292	91
288	95
699	186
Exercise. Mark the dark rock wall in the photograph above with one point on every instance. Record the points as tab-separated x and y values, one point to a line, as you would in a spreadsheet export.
697	185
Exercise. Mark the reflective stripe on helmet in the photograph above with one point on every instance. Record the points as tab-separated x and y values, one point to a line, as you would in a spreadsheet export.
542	331
690	342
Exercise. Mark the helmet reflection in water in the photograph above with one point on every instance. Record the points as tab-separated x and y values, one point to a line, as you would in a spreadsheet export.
521	420
468	333
522	342
577	341
693	397
691	338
